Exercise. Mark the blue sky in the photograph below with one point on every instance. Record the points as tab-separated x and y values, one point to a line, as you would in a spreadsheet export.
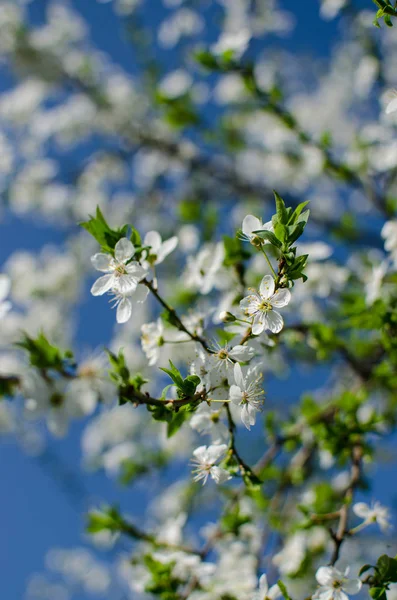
42	500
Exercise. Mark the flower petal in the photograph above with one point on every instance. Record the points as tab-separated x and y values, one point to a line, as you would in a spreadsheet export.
274	321
5	307
245	417
126	284
135	269
258	324
101	262
5	286
153	239
219	475
102	285
238	376
391	107
250	224
263	585
352	586
167	247
281	298
141	293
361	509
124	250
124	310
200	453
215	452
266	288
235	394
325	576
241	353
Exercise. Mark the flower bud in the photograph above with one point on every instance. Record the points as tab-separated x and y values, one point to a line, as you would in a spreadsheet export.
226	317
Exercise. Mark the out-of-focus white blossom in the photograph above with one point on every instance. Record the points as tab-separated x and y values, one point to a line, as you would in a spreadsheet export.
373	514
235	42
5	286
159	250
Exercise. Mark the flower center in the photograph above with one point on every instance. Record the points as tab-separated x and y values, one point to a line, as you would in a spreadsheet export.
120	270
223	354
256	240
265	306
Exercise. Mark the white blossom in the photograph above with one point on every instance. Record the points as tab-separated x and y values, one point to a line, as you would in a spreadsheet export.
5	285
247	393
260	305
122	276
233	41
264	592
204	461
251	224
389	234
376	513
152	340
335	585
224	356
159	250
205	271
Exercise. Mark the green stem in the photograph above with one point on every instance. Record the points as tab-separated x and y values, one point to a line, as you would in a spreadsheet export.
268	261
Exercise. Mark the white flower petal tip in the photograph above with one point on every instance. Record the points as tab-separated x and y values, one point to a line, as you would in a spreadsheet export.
391	107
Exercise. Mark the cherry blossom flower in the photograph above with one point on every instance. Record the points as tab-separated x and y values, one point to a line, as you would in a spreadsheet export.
152	340
225	356
260	305
159	250
335	585
248	394
207	421
205	271
5	285
204	461
251	224
266	593
373	514
121	277
235	42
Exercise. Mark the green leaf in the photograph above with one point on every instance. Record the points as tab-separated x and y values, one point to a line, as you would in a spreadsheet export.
206	59
295	231
104	235
378	593
281	209
283	589
387	569
269	236
176	422
44	355
174	374
297	212
281	232
364	569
